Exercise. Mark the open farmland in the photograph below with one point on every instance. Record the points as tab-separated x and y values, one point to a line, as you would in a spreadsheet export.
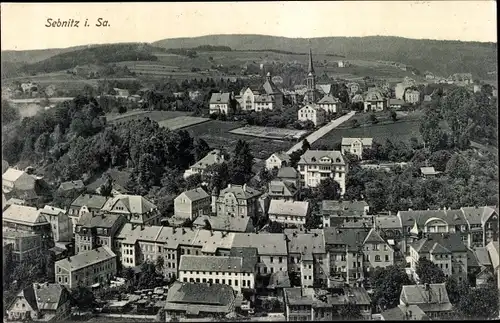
401	130
217	134
157	116
270	132
182	122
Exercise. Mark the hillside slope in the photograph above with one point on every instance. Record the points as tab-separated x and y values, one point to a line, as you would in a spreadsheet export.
33	56
441	57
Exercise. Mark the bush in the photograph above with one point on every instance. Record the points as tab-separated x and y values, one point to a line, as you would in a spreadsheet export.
122	109
373	119
355	123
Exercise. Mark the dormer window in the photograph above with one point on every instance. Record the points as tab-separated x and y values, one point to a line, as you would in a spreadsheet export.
337	160
313	159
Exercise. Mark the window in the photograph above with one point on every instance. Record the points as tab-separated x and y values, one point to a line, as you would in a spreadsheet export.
377	258
223	281
271	259
280	260
386	258
244	283
217	280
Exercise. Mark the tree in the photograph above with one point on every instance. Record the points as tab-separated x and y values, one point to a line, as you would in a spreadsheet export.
305	145
107	187
479	303
429	272
193	181
373	118
275	227
457	167
9	113
439	159
329	189
160	263
387	285
455	289
82	298
122	109
241	162
295	158
349	311
355	123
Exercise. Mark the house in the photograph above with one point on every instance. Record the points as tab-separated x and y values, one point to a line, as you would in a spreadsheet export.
375	101
415	223
288	212
193	95
225	270
377	252
412	96
85	203
192	204
17	180
289	175
483	224
316	165
227	224
212	158
119	182
282	190
61	224
91	268
265	97
307	257
313	113
337	212
400	88
94	230
272	90
71	186
24	244
197	301
277	160
136	209
431	298
41	303
396	103
355	146
238	201
271	248
403	313
343	64
311	304
428	172
220	103
26	219
330	104
446	250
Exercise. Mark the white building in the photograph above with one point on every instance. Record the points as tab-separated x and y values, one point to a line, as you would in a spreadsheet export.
329	103
61	224
267	97
214	157
220	103
355	146
288	212
86	269
313	113
317	165
227	270
276	160
412	96
375	101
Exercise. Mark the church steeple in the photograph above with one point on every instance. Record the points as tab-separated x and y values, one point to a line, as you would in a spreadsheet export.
311	66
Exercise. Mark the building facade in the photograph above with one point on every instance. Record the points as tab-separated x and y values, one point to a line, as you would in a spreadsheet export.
317	165
313	113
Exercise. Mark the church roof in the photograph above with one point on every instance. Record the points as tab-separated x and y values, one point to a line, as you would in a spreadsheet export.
311	66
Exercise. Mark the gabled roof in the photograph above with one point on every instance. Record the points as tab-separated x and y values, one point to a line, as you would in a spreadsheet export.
482	256
211	263
345	208
213	157
479	215
270	87
71	185
396	102
229	223
45	297
435	299
293	208
23	214
439	249
130	233
280	188
448	242
86	258
12	174
220	98
374	95
281	156
325	88
206	298
266	243
195	194
388	222
358	98
428	171
364	141
287	172
92	201
240	191
87	220
306	244
315	156
402	312
328	99
352	238
312	106
422	216
373	237
135	204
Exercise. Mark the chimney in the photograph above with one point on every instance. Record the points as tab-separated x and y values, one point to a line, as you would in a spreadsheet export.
244	187
142	227
229	185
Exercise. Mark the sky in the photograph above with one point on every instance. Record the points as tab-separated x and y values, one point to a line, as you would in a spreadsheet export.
23	26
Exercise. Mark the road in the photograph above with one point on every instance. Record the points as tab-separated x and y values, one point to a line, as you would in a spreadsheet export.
322	131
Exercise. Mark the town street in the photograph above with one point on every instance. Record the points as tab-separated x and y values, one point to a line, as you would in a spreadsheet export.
322	131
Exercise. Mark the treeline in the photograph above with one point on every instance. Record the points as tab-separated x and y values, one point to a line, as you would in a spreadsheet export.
183	52
93	55
210	48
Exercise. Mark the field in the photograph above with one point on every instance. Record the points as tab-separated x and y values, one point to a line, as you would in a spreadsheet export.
157	116
181	122
217	134
401	130
270	132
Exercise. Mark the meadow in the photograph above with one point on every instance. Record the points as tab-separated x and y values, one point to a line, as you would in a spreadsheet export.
270	132
181	122
217	134
157	116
